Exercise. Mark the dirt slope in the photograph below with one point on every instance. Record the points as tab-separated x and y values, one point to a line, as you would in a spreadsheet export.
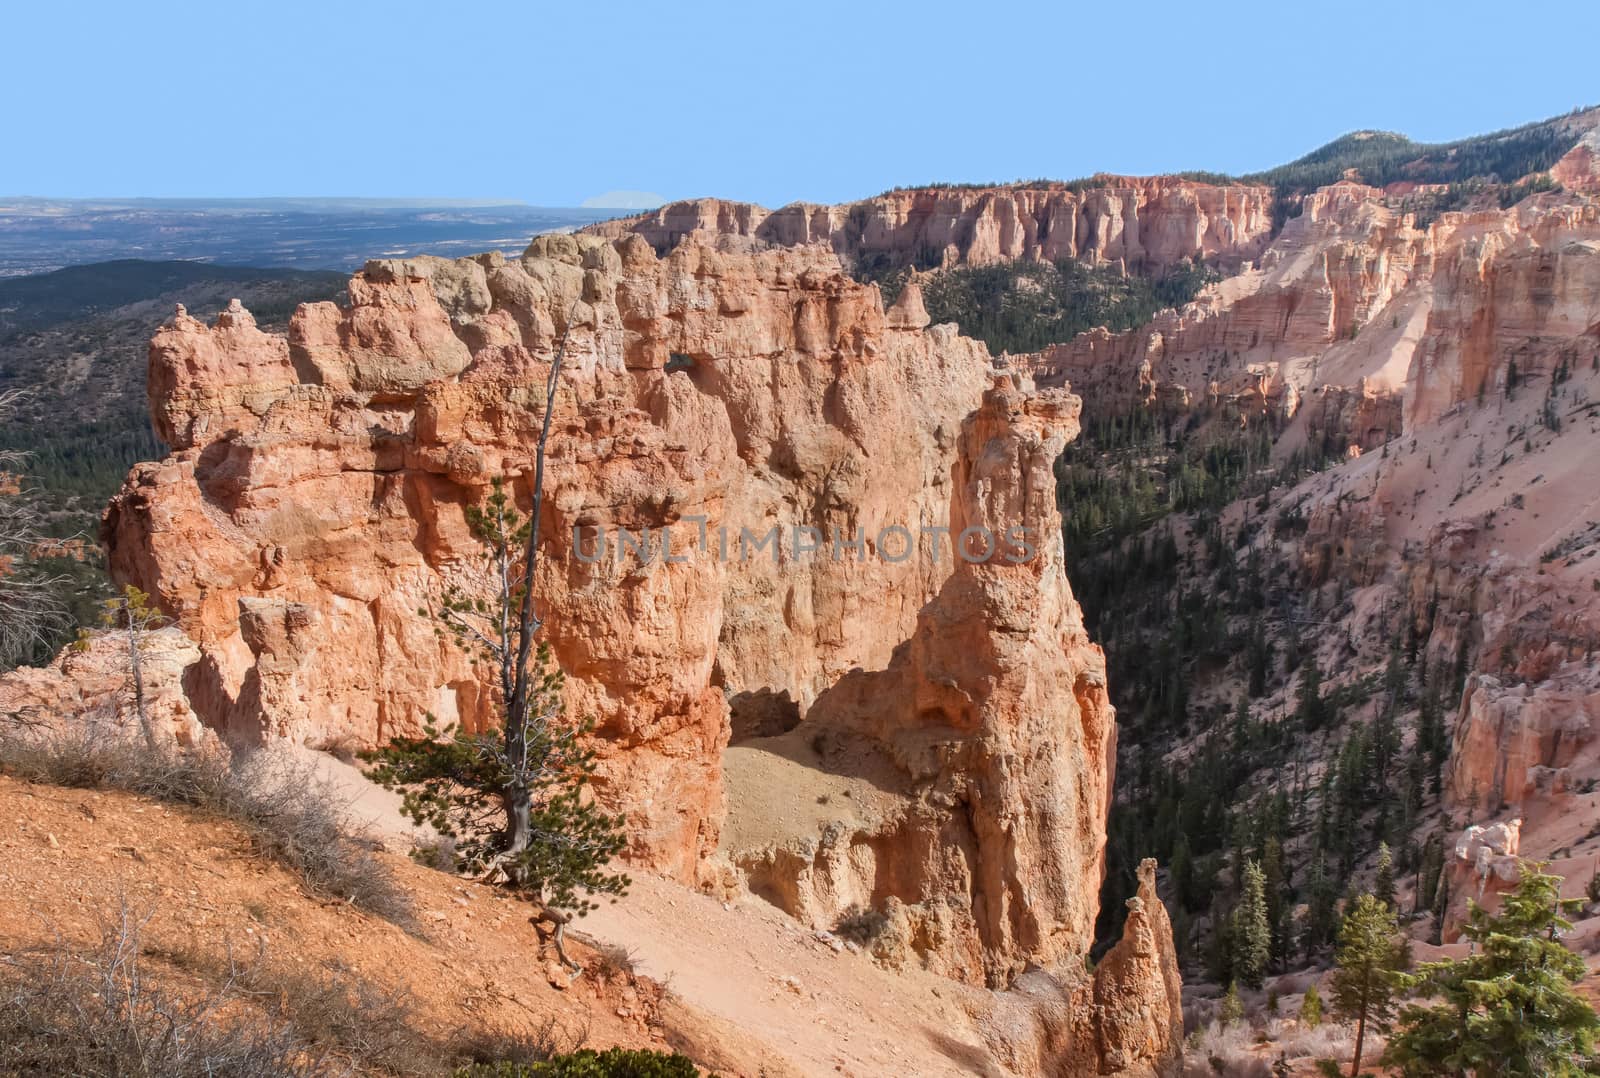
68	856
738	986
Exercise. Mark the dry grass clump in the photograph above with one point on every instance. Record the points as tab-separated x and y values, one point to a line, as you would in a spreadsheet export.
100	1014
1224	1051
290	815
1240	1050
1330	1040
128	1009
613	961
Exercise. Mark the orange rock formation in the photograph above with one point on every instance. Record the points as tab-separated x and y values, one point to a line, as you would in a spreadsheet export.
1145	222
314	501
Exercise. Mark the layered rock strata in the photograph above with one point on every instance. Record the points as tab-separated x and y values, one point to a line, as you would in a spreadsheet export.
1142	223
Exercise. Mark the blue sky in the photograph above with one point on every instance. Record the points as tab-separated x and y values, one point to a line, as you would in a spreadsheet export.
821	101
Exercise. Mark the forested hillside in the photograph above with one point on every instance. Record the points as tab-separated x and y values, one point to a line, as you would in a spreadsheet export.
76	341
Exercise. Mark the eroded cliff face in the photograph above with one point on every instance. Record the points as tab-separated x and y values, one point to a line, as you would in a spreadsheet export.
1279	337
1144	223
1360	323
1520	288
758	489
994	717
314	499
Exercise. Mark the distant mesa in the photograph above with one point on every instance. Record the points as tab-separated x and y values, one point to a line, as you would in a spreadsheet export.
623	200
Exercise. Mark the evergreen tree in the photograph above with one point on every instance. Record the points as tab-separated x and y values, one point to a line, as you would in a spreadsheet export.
1366	979
1232	1007
1383	887
1249	929
1431	739
1509	1009
1310	709
1258	658
513	799
1311	1008
1321	909
1277	887
1241	736
1181	872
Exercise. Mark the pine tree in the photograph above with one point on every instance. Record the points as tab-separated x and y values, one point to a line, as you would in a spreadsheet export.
1181	872
1258	658
1241	736
1383	888
513	799
1250	930
1311	1008
1321	908
1508	1009
1310	709
1232	1007
1366	979
1431	739
1277	887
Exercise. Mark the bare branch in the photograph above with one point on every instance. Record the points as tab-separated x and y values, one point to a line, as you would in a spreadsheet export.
31	611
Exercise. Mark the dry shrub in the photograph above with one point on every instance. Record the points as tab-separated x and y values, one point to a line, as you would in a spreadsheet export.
546	1040
1224	1051
291	815
1234	1051
861	925
1330	1040
613	961
101	1015
438	854
126	1008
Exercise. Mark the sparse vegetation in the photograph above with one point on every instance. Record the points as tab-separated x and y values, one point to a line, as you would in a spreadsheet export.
32	609
613	961
130	1008
76	341
588	1063
861	925
1383	157
102	1014
1023	306
289	816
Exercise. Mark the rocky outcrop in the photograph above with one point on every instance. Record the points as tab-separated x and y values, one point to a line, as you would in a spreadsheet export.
1484	864
994	721
1516	741
295	532
1512	296
1138	991
1127	1014
90	683
1147	223
766	496
1362	325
